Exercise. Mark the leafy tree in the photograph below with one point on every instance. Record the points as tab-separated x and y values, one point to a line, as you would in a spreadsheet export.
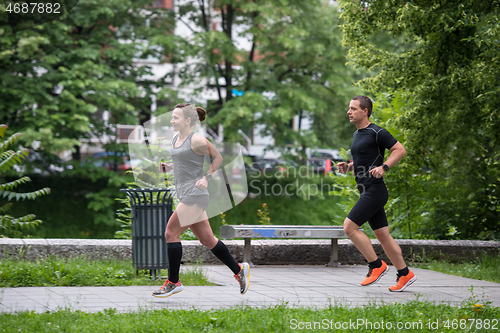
449	114
8	160
56	79
295	66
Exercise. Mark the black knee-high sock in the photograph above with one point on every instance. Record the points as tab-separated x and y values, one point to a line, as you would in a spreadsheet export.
174	251
220	251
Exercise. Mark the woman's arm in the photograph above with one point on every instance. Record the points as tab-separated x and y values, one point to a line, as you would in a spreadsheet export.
164	167
202	146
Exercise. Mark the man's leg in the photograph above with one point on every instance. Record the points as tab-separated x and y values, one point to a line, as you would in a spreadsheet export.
405	277
391	247
360	240
372	199
376	267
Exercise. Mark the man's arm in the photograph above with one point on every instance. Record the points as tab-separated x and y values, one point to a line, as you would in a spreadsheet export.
397	153
343	167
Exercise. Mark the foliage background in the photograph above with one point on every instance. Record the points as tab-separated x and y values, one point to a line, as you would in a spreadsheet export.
441	94
430	66
9	190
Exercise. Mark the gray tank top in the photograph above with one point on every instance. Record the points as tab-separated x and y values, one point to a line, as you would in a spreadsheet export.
188	168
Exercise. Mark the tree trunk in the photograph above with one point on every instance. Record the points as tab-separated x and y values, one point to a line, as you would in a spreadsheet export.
228	29
77	155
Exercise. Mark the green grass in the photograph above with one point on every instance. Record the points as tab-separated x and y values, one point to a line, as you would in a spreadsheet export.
487	268
55	271
418	316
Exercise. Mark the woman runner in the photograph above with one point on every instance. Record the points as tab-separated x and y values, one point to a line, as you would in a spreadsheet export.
188	152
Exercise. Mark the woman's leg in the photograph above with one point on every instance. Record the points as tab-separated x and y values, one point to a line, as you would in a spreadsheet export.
203	231
189	214
174	247
174	252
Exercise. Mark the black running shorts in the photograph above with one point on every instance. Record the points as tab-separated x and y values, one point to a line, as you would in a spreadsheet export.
370	207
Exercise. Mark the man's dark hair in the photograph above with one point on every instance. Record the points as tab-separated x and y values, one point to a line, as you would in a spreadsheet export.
364	103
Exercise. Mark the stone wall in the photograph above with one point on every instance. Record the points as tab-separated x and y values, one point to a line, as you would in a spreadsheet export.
264	252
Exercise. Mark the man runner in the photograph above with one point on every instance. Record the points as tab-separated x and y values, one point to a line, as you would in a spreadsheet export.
367	149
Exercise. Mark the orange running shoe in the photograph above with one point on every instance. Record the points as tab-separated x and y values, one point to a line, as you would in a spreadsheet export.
403	282
374	274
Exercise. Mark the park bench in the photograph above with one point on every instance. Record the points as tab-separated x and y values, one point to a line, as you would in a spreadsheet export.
284	231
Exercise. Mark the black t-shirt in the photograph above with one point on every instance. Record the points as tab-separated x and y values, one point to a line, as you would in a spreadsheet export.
367	149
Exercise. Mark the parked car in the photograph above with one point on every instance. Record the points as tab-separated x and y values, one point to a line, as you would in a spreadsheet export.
251	165
283	165
118	162
322	165
267	164
332	154
260	165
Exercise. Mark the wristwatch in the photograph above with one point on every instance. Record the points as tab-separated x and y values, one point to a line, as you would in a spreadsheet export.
208	177
385	167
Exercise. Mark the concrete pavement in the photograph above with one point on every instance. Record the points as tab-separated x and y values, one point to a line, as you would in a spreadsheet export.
308	286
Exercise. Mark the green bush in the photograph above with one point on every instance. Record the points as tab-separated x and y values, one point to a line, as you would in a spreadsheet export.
324	209
10	225
312	202
70	211
434	195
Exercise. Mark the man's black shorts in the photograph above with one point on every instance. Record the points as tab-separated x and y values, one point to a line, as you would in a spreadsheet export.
370	207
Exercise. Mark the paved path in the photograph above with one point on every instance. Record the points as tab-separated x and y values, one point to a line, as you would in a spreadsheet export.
310	286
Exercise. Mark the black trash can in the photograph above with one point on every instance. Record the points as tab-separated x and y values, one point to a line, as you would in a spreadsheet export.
151	210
